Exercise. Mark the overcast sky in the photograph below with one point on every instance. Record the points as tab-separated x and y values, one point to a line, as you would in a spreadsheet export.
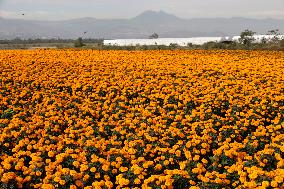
66	9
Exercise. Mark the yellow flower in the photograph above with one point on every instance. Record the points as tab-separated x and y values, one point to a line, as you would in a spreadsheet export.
158	167
93	169
265	183
47	186
254	175
204	161
137	181
105	167
123	169
196	158
76	164
166	162
73	173
50	154
62	182
83	167
73	187
109	184
274	184
57	179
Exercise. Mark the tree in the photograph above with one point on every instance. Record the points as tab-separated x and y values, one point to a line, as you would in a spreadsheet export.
246	37
263	40
275	33
154	36
79	42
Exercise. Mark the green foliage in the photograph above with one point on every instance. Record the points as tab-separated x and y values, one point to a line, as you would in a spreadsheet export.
173	46
246	37
154	36
275	33
8	114
281	43
190	45
246	41
79	42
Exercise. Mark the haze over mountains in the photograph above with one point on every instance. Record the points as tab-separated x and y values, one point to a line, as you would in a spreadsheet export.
141	26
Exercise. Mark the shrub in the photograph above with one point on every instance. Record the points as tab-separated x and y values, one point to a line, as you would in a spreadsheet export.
79	42
282	43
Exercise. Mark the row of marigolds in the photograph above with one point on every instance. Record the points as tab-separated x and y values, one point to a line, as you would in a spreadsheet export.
151	119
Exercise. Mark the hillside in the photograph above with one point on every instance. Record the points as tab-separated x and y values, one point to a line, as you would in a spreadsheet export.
141	26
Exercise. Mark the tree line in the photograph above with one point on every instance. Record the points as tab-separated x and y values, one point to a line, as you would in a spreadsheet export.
246	41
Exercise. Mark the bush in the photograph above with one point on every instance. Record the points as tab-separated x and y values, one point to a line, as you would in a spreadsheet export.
79	42
246	37
282	43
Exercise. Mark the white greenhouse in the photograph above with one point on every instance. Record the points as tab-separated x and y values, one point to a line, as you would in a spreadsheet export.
180	41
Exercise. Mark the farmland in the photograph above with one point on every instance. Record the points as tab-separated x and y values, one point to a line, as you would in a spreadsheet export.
141	119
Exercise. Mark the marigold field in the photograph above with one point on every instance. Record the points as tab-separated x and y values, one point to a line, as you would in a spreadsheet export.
141	119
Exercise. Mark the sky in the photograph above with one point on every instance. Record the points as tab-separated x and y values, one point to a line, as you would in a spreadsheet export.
109	9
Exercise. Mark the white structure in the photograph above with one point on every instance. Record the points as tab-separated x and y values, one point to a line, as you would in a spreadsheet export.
180	41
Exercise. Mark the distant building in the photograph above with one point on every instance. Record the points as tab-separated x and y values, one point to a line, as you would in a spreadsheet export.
181	41
161	41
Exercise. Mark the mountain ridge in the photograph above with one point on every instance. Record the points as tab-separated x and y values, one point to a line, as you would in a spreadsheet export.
140	26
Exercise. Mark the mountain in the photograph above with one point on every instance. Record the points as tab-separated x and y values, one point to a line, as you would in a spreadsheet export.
155	17
141	26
